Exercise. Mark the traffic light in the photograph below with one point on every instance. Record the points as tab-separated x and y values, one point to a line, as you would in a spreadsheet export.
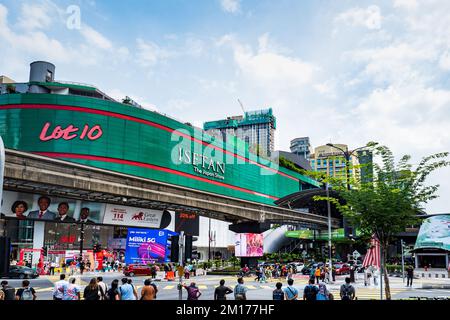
174	248
326	251
44	251
188	247
97	247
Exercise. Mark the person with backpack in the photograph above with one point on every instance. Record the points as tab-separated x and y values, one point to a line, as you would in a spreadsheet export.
93	291
10	292
71	291
221	291
148	292
278	293
310	291
58	290
291	293
323	293
347	290
193	291
26	292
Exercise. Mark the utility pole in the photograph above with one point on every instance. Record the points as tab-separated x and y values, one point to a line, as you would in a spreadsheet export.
381	272
81	241
209	241
180	262
403	260
329	235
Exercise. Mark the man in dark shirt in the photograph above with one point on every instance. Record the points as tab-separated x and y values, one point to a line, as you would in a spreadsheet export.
10	292
221	291
409	276
278	293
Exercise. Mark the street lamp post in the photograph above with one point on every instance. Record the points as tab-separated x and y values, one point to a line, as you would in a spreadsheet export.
329	236
403	260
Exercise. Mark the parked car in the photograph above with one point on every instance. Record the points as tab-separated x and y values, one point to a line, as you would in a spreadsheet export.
298	266
132	270
22	272
342	268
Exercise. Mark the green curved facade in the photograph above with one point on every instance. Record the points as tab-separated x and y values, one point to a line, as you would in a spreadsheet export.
130	140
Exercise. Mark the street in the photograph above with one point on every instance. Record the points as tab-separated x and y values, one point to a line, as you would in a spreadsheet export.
167	290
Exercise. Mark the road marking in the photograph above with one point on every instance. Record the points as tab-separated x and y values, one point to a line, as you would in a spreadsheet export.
168	287
250	287
266	287
202	286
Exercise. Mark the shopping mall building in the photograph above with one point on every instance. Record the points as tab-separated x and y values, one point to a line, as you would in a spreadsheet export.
81	124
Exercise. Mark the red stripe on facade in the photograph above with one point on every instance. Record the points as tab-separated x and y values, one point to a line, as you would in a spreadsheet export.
143	121
149	166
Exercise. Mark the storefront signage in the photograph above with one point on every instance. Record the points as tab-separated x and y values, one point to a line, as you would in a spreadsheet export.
126	216
202	164
69	133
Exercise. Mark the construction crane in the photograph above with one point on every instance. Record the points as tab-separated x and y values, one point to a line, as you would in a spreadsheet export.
242	106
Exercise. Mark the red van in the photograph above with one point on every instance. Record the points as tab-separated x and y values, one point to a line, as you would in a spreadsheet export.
137	270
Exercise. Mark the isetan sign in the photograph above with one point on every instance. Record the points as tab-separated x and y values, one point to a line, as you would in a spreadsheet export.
202	164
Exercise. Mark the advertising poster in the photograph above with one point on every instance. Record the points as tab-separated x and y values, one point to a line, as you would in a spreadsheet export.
434	233
131	216
187	222
249	245
25	206
146	246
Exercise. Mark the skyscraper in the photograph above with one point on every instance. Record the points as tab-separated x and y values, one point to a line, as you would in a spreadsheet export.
257	128
301	146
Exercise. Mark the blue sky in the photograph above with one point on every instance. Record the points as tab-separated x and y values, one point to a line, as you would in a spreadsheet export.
341	71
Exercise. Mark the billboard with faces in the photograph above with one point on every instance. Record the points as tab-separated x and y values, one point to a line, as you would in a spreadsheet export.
28	206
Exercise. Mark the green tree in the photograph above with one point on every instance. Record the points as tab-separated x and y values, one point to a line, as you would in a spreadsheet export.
390	200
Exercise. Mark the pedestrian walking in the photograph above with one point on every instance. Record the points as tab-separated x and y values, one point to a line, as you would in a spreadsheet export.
153	272
278	293
93	291
9	292
147	292
352	274
71	291
221	291
347	291
310	291
103	286
82	266
58	290
186	272
317	274
126	291
409	275
240	292
193	291
52	268
26	292
291	293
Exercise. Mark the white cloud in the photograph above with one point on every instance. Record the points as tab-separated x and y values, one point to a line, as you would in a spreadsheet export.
370	17
35	16
149	53
232	6
268	69
95	38
444	61
406	4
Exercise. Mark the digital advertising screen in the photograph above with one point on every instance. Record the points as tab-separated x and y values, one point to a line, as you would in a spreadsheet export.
249	245
146	246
